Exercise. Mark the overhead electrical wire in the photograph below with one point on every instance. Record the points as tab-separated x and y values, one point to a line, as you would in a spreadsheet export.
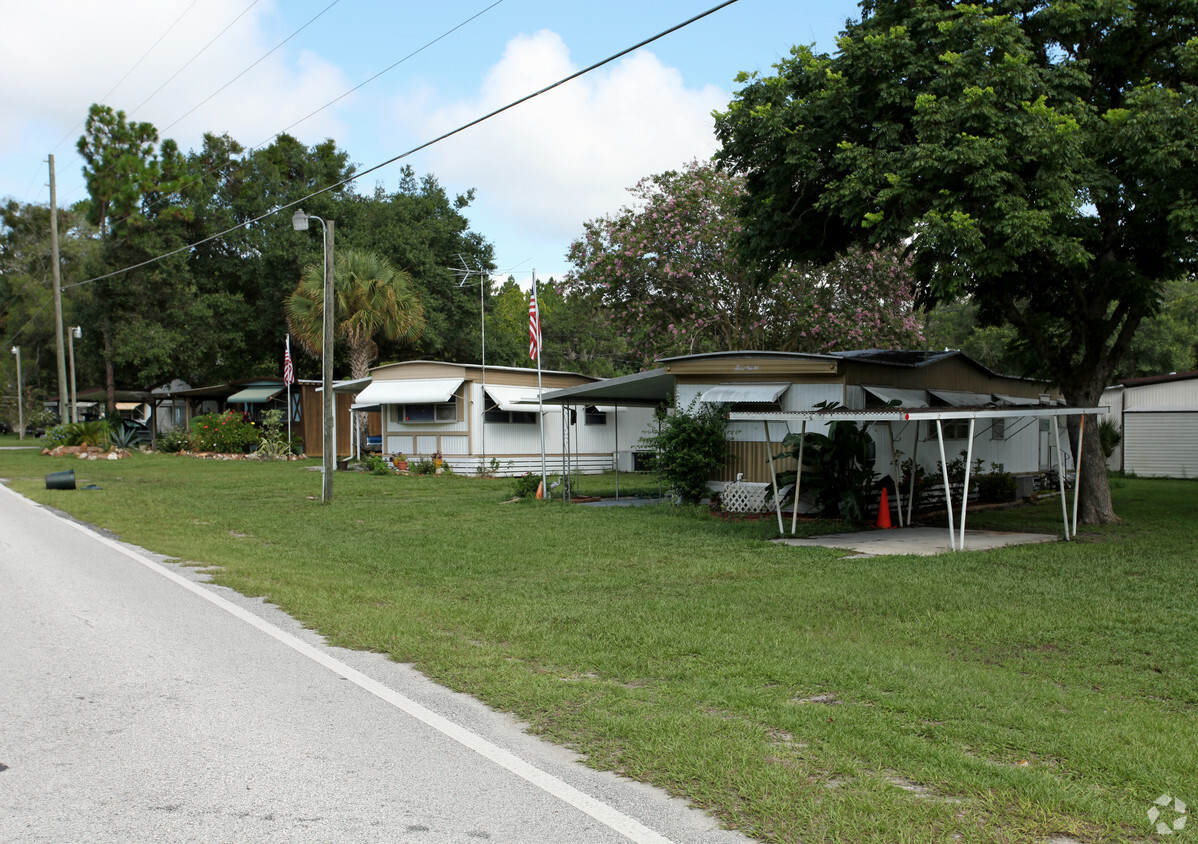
201	52
136	64
415	149
259	60
184	185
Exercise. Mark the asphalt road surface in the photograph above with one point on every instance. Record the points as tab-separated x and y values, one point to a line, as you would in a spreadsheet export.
138	703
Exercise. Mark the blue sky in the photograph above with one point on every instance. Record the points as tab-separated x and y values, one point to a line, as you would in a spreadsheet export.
540	171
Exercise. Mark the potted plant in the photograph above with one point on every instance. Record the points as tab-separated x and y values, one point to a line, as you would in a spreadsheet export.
400	462
437	461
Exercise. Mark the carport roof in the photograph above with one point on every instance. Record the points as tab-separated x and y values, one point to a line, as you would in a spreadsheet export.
649	389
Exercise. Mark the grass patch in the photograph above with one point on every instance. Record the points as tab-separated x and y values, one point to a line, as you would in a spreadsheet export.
1010	695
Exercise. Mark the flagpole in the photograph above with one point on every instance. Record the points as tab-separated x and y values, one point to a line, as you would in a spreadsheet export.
540	399
288	380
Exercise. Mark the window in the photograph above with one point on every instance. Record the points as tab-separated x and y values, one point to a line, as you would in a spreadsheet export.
998	429
409	413
510	417
954	429
594	416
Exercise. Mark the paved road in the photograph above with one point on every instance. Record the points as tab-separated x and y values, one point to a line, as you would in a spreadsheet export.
138	703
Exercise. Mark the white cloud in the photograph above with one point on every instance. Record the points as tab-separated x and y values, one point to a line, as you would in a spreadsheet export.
68	54
569	155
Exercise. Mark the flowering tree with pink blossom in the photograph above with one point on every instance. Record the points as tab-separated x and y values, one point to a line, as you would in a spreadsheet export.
668	276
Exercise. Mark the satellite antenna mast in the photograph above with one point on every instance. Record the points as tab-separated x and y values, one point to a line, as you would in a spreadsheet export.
464	273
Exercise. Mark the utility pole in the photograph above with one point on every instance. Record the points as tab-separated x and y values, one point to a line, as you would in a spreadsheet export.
54	274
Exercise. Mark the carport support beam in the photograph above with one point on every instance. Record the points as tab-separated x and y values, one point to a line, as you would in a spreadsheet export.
794	510
769	452
894	473
1077	481
1056	433
914	465
948	490
965	491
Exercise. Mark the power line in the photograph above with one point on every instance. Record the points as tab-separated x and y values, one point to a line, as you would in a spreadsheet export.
136	64
201	51
416	149
258	61
261	144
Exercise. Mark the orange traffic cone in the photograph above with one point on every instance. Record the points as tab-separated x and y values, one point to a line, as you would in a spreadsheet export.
884	510
541	491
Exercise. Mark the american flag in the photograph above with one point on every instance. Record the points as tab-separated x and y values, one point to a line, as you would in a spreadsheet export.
534	326
288	369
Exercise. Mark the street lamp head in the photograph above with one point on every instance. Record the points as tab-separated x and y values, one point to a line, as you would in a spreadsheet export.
299	220
16	350
77	332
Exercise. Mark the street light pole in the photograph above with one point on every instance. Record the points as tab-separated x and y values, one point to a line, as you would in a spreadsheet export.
75	334
16	350
299	222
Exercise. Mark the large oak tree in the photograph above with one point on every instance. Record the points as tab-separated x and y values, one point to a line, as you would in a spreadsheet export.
1037	157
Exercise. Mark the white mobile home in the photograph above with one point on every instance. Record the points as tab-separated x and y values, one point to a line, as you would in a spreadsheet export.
475	417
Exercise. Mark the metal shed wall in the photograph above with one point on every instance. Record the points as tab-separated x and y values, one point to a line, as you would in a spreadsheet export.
1161	443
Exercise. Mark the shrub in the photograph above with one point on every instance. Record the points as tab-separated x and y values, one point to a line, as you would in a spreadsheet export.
688	447
424	466
996	485
174	441
525	485
228	432
94	433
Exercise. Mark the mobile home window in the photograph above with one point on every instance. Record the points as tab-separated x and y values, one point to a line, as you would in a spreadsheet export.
441	412
594	416
998	429
954	429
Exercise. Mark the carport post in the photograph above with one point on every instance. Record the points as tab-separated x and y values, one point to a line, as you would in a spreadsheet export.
965	492
1077	460
1056	433
794	510
948	491
769	452
911	490
616	414
894	469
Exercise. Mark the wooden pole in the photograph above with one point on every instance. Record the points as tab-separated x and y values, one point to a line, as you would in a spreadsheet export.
56	280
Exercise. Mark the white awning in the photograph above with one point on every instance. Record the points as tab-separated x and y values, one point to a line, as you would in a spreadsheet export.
365	408
963	398
905	398
421	391
740	393
510	398
128	405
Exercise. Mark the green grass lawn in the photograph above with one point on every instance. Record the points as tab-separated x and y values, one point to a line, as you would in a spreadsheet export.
1011	695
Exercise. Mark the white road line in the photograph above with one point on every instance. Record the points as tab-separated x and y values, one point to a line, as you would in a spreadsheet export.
630	828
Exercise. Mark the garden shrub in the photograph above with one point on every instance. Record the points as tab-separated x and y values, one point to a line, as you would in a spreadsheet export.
230	432
838	467
525	485
174	441
688	447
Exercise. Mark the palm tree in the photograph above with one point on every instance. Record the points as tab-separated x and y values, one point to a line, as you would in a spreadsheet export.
370	297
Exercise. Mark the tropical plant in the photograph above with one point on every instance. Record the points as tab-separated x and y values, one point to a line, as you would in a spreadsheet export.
838	467
371	298
688	447
1109	436
272	440
96	433
124	436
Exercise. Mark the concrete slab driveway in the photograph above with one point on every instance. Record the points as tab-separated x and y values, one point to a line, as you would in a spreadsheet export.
138	704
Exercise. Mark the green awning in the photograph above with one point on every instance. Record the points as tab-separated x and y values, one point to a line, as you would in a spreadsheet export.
254	395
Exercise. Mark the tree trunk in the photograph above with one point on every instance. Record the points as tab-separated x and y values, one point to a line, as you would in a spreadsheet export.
1094	486
109	375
